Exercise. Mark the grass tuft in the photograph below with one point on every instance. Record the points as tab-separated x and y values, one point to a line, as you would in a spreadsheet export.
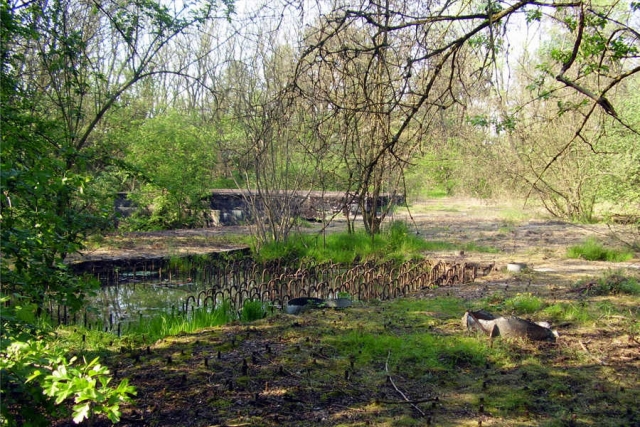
524	304
611	284
252	310
592	250
568	312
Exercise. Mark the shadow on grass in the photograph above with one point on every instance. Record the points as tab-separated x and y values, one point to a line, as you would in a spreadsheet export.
405	362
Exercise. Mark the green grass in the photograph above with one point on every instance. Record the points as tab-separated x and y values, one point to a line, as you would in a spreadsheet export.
419	343
150	329
159	326
524	304
395	243
404	339
436	193
577	312
519	305
437	245
414	310
592	250
513	216
421	350
474	247
252	310
614	283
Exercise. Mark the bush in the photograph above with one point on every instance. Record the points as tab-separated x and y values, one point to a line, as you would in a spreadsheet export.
37	378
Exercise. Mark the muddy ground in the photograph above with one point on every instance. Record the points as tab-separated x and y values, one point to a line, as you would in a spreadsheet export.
283	370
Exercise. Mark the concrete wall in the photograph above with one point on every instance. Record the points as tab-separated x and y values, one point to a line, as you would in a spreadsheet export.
231	207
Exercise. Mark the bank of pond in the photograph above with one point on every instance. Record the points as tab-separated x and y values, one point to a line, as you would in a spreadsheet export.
213	289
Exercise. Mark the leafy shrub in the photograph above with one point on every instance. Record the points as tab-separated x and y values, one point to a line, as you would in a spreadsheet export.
88	384
37	378
592	250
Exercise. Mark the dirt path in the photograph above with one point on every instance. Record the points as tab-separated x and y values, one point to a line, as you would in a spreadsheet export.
520	235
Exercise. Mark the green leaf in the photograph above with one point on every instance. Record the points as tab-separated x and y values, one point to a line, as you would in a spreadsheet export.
35	374
480	121
81	412
534	15
571	23
113	413
125	389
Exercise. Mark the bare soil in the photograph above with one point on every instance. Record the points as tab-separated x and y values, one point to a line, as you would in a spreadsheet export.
284	370
519	234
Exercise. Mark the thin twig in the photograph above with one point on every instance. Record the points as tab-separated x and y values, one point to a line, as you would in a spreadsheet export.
386	368
411	402
584	347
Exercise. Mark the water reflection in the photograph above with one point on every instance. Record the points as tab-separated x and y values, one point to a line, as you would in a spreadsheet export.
131	301
140	295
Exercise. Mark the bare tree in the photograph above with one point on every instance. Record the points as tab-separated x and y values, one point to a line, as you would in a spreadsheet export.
385	68
273	150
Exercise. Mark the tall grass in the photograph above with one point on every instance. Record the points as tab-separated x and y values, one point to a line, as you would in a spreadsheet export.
592	250
252	310
152	328
396	243
164	325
